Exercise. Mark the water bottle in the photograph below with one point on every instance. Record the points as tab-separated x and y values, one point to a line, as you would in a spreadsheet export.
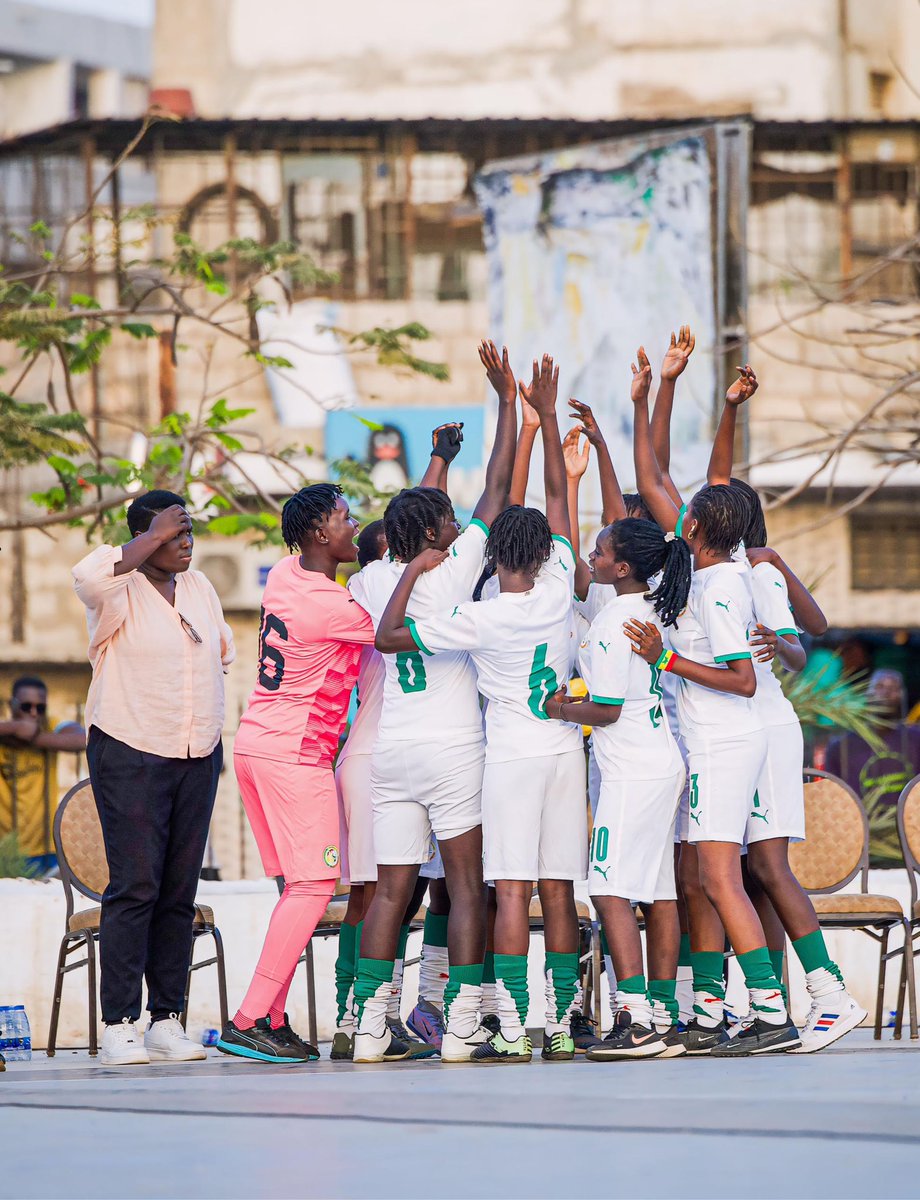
15	1034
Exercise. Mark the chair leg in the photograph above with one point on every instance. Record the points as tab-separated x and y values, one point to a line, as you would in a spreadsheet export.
909	955
311	994
598	970
882	968
91	990
183	1016
902	988
56	998
221	975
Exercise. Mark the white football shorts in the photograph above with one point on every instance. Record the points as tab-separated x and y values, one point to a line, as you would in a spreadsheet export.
356	819
778	810
632	846
420	788
535	818
723	777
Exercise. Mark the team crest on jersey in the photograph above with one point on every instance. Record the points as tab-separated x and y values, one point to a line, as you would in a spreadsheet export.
331	856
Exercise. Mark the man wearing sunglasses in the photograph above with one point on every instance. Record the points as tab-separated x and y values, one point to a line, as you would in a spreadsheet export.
159	647
29	745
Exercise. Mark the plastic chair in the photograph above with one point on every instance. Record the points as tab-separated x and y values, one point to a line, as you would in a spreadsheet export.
835	852
84	870
909	833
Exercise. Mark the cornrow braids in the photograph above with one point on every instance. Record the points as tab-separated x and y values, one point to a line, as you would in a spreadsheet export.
636	507
519	540
368	543
755	533
722	515
650	552
305	510
409	514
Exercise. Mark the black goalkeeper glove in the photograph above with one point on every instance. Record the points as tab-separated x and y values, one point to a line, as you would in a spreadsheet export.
447	440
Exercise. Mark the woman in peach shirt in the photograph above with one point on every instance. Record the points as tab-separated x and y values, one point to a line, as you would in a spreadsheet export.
159	647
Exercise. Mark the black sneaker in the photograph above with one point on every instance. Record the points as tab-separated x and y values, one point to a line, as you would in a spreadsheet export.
343	1046
583	1033
417	1048
759	1037
260	1042
703	1039
285	1032
675	1042
634	1041
492	1022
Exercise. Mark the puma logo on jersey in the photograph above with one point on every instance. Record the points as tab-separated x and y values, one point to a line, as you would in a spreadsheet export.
723	604
601	870
776	583
694	816
563	565
603	645
456	610
762	815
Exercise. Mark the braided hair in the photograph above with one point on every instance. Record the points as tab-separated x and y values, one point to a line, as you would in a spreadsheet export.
305	510
409	514
141	511
519	540
369	543
650	552
723	515
755	533
636	506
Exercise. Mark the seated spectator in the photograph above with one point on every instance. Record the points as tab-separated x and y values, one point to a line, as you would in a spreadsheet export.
879	777
30	742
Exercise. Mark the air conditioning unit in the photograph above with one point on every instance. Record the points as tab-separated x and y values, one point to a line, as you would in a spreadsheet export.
238	573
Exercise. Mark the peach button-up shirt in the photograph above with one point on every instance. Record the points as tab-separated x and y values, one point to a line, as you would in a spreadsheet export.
155	687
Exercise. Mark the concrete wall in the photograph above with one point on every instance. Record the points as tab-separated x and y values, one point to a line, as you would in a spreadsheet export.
539	58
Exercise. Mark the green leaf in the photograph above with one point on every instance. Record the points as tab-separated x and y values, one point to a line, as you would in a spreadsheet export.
63	466
221	415
373	426
80	300
234	445
139	331
234	523
39	229
269	360
218	287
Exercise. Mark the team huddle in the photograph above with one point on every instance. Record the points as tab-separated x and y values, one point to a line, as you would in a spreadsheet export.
480	657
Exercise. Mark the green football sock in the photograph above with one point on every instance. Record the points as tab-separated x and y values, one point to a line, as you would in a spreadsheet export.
812	952
513	996
562	988
488	967
373	980
435	930
776	960
458	977
634	985
402	941
358	931
344	969
664	991
758	970
684	958
708	972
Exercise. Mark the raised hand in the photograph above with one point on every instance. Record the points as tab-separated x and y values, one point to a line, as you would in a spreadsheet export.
645	639
446	440
540	393
498	371
589	425
172	522
26	729
678	353
576	458
743	388
427	560
642	377
530	418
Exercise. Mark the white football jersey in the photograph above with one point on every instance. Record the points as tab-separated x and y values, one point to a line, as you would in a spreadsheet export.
639	745
520	643
371	673
712	630
429	697
771	608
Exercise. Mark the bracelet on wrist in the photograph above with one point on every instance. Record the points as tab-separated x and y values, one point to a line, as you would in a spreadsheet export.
667	660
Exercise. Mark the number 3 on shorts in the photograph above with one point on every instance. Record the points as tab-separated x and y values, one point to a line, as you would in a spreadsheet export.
410	671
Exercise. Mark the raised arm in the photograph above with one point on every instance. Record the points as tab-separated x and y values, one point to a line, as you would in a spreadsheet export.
540	393
612	506
807	612
68	736
501	460
675	360
723	446
530	427
445	446
663	506
393	635
171	523
576	463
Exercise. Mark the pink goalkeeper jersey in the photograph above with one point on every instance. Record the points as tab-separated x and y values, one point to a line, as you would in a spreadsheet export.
309	647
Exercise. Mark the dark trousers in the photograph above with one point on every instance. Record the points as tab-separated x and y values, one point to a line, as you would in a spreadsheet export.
155	814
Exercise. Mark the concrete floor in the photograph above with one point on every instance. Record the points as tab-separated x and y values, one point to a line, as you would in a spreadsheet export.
843	1123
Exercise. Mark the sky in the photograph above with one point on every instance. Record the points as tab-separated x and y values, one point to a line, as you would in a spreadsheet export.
137	12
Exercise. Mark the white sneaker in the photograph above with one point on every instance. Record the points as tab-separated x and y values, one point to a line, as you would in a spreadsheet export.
832	1015
457	1049
167	1040
386	1048
121	1047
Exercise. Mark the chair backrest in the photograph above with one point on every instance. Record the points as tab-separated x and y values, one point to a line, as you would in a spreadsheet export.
836	848
909	832
79	845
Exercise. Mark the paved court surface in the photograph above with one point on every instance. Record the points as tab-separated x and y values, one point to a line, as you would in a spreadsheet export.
843	1123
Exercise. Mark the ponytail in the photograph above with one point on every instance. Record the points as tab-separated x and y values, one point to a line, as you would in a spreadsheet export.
650	552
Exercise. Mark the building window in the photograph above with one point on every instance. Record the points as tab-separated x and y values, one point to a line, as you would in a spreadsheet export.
885	550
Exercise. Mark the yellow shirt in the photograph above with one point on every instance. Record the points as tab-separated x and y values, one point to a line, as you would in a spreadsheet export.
29	796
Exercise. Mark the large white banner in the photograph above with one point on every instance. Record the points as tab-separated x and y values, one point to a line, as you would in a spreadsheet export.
593	251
